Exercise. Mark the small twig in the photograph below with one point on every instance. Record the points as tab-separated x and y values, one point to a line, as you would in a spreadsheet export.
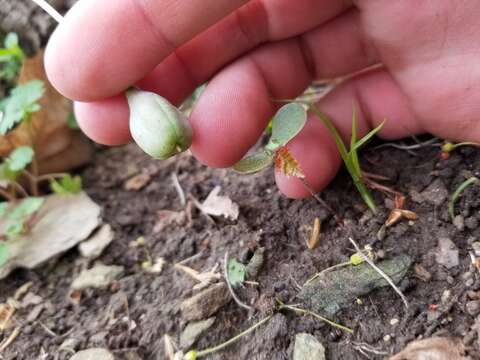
377	269
10	339
308	312
191	258
54	176
47	330
178	188
50	10
230	288
20	188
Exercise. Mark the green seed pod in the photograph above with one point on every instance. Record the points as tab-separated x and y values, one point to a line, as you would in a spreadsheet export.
157	126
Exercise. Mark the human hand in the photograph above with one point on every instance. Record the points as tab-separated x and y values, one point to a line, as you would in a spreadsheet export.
258	50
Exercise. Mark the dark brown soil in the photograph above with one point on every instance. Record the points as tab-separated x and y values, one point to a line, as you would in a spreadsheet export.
266	219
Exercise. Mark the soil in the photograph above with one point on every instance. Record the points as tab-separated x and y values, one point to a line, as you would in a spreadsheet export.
269	220
132	315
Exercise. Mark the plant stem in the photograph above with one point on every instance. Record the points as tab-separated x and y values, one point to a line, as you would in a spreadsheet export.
232	340
331	268
320	317
49	9
7	196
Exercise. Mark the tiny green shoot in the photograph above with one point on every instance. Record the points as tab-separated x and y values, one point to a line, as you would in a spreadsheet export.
448	147
458	191
20	105
15	163
11	57
18	218
236	272
67	184
350	157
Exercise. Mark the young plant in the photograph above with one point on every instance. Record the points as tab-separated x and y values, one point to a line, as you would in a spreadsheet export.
11	58
20	105
236	272
18	217
350	157
286	124
66	185
458	191
449	147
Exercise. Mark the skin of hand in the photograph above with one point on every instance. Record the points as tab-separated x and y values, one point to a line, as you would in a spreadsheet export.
428	78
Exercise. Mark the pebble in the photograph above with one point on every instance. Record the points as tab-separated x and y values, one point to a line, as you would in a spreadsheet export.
94	246
422	273
469	282
193	331
446	296
394	321
473	307
459	222
205	303
308	347
447	253
471	223
93	354
99	276
476	248
436	193
387	338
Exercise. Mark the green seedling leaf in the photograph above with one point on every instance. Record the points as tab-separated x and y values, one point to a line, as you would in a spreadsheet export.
3	253
286	124
353	141
15	228
11	58
456	194
20	158
67	185
254	163
21	103
6	173
236	272
368	137
26	208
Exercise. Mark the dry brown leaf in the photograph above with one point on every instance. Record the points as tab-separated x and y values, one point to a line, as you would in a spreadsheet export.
437	348
137	182
6	313
217	205
287	164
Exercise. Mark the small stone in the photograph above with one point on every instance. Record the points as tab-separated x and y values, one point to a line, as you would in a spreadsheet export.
69	345
473	307
422	273
205	303
93	354
387	338
94	246
100	276
308	347
447	253
450	280
476	248
446	295
469	282
471	223
192	332
459	222
436	193
394	321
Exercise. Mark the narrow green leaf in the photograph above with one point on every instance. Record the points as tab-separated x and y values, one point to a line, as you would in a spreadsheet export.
369	136
67	185
20	158
353	154
254	163
3	253
456	194
236	272
286	124
26	208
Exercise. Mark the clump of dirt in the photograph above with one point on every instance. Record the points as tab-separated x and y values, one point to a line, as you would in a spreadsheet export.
136	311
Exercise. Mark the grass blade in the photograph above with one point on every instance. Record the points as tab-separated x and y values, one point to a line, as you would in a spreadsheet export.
456	194
367	137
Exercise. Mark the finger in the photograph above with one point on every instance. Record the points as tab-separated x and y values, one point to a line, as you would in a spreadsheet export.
375	96
105	121
323	56
102	47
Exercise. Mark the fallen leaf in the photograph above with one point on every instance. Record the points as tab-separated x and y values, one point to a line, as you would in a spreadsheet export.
315	234
399	212
217	205
432	349
61	223
137	182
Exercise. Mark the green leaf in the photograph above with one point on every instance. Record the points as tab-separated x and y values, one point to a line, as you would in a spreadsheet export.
19	159
67	185
11	40
3	253
21	103
353	154
26	208
7	174
254	163
456	194
15	228
368	137
286	124
236	272
72	121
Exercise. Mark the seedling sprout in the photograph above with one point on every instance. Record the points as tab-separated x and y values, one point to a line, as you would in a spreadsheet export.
458	191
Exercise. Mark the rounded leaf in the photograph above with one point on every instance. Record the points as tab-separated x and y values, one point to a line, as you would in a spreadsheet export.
254	163
157	126
286	124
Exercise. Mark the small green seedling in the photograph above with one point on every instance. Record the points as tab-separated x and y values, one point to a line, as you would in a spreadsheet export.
11	58
15	163
19	217
456	194
66	185
350	157
236	272
448	147
20	105
286	124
